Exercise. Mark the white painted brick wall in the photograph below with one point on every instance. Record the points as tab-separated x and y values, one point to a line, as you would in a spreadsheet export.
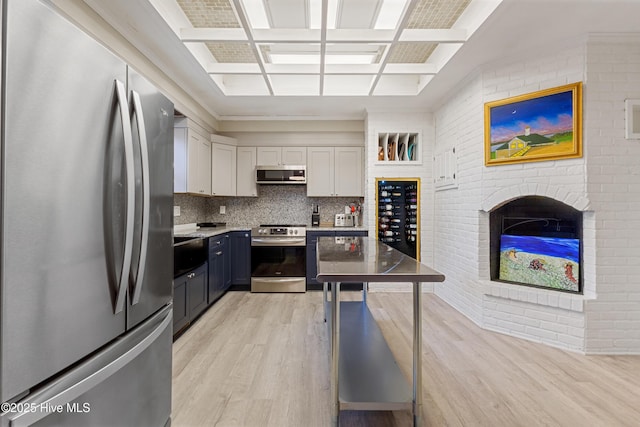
462	221
613	171
604	184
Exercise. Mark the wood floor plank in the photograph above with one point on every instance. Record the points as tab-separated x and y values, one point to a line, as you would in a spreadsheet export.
256	360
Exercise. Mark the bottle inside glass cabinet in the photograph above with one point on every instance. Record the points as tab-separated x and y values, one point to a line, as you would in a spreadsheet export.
398	214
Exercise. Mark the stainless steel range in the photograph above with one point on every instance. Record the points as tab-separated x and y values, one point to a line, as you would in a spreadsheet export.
278	258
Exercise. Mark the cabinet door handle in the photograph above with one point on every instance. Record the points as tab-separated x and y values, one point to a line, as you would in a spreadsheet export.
219	253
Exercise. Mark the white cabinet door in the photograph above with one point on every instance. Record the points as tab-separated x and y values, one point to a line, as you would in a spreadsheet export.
198	164
204	165
191	160
269	156
180	160
246	172
348	172
320	171
294	155
223	181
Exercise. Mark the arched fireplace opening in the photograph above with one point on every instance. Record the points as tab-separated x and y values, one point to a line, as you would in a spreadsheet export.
537	241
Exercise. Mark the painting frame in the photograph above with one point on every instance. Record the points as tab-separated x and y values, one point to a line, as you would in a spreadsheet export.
550	122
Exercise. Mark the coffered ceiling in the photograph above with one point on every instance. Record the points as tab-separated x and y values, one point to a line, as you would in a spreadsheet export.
324	47
291	63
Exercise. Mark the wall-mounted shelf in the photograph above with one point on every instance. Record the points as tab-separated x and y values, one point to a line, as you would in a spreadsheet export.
399	147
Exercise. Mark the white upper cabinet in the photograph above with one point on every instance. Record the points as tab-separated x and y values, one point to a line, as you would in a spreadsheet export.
320	171
274	156
246	172
335	171
294	155
223	178
349	171
269	156
192	160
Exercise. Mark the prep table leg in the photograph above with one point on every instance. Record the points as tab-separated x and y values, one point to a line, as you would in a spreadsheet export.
335	353
417	355
324	299
365	287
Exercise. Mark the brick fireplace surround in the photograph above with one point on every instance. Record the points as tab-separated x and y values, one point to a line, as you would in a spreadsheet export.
604	185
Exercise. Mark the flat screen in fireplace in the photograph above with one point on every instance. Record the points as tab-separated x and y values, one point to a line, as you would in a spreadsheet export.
548	262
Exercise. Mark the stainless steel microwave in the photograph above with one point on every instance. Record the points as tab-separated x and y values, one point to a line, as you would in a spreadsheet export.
282	174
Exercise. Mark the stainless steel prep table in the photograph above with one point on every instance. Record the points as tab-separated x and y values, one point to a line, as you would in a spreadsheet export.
364	373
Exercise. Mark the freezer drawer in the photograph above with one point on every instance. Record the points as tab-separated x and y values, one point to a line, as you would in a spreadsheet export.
126	384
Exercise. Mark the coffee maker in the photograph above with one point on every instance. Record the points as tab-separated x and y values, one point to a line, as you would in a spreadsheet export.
315	217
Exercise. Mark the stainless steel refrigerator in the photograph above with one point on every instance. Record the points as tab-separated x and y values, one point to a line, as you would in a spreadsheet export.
86	261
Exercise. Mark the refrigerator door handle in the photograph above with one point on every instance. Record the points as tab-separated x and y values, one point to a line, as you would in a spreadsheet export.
129	165
144	242
64	392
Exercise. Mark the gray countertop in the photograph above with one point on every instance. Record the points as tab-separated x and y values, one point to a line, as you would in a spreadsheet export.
205	232
365	259
331	228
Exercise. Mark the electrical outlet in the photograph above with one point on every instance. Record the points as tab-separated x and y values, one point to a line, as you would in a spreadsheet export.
223	210
176	211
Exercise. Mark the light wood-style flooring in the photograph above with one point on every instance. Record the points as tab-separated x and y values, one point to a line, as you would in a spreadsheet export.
263	360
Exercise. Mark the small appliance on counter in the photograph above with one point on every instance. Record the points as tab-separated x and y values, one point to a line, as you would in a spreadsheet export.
344	220
315	217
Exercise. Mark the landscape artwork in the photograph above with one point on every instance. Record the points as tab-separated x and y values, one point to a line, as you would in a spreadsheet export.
544	125
549	262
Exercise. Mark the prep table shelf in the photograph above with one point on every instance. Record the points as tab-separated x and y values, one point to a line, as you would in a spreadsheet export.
363	350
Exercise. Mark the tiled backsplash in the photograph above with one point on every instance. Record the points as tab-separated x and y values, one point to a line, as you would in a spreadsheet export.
275	204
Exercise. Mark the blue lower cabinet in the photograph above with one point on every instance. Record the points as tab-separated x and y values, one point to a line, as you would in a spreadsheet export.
189	297
240	253
218	272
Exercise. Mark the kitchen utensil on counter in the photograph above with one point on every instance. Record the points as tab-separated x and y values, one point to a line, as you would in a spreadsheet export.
315	217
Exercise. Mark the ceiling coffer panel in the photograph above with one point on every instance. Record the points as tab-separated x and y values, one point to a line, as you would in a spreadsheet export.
209	13
411	53
436	14
232	52
287	13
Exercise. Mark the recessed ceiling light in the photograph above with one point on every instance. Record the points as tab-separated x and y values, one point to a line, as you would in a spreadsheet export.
389	14
256	13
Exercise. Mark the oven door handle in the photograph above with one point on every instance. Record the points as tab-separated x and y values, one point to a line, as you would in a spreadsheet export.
279	242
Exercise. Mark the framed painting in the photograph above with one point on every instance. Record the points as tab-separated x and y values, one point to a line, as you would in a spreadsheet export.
539	126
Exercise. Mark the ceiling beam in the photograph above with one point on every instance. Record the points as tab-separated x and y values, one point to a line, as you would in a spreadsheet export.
235	68
404	20
289	35
213	34
347	69
323	42
242	17
434	36
360	36
419	69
